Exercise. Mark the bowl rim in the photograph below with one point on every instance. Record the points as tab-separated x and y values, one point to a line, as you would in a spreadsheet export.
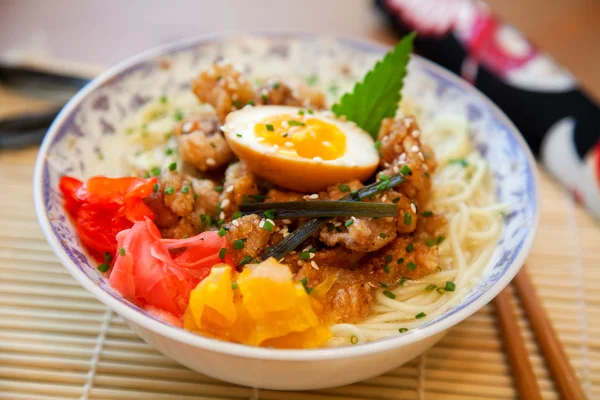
235	349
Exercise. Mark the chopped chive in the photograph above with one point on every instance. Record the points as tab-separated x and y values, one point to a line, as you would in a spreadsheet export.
384	177
420	315
440	239
308	290
463	163
382	235
222	253
438	269
238	134
169	151
178	116
405	170
219	188
107	257
276	85
400	260
407	219
386	268
250	102
220	222
354	194
430	288
103	267
304	281
236	215
388	258
383	285
270	214
269	127
173	166
234	285
429	243
402	330
195	196
264	97
450	286
344	188
169	190
122	251
310	111
427	175
214	146
389	294
185	189
410	247
222	232
155	171
401	281
236	103
155	188
267	226
305	255
427	213
300	112
245	261
383	185
293	122
396	200
411	265
440	290
147	175
238	244
163	99
349	223
377	145
353	339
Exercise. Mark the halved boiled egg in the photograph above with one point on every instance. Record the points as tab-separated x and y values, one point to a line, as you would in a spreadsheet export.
299	149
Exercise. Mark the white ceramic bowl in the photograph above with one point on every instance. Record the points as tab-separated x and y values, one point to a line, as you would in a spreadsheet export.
88	123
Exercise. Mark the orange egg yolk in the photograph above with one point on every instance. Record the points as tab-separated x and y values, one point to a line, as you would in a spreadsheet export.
304	136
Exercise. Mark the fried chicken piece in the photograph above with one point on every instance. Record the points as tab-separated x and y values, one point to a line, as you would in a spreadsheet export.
240	182
275	92
349	299
183	228
223	87
337	257
164	217
401	146
205	204
178	193
277	195
335	193
431	226
248	230
405	257
365	234
407	211
201	144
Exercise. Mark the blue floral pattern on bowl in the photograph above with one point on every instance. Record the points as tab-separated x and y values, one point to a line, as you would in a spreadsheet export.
82	132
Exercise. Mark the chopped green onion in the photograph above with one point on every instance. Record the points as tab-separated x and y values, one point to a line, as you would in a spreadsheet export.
402	330
270	127
169	190
292	122
388	258
155	188
213	145
411	265
320	208
238	134
103	267
222	232
245	261
427	175
463	163
267	226
308	290
450	286
300	112
420	315
429	243
305	255
122	251
169	151
304	281
107	257
185	189
163	99
238	244
219	188
383	185
389	294
349	223
382	235
438	269
401	281
440	290
264	98
400	260
377	145
396	200
386	268
155	171
310	111
430	288
410	248
234	285
344	188
236	215
405	170
383	285
427	213
440	239
353	339
236	103
222	253
269	214
407	219
178	116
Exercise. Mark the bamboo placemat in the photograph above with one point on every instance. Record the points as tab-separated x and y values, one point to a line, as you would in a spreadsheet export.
58	342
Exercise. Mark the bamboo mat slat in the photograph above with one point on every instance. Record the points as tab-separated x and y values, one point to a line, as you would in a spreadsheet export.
51	345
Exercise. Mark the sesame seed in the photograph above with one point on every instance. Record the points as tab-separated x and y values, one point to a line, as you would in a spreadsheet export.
413	207
235	222
261	223
225	203
421	156
425	167
270	221
260	139
317	159
414	149
314	265
285	234
402	157
300	262
187	127
338	223
229	189
285	125
384	198
407	122
210	161
274	148
289	144
311	255
286	221
222	215
313	196
396	169
416	133
384	139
